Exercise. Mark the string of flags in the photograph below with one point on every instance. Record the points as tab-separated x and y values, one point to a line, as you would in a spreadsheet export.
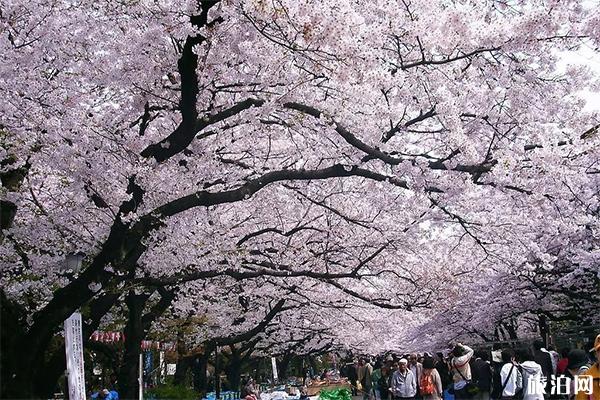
163	346
107	337
115	337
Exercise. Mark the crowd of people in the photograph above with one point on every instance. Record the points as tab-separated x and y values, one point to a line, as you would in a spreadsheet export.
534	373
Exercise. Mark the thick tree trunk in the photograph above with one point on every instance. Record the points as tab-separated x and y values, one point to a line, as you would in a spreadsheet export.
200	381
32	345
15	383
512	332
283	364
134	334
184	363
544	331
122	247
313	364
255	367
234	369
48	376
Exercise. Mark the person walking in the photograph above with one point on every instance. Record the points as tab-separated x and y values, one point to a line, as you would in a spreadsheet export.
353	376
510	376
497	364
579	364
403	385
442	368
381	382
249	391
365	370
430	384
417	369
554	357
561	367
481	371
389	362
544	359
532	377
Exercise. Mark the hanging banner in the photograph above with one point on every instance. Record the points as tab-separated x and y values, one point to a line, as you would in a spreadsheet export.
274	365
148	365
74	351
163	366
115	337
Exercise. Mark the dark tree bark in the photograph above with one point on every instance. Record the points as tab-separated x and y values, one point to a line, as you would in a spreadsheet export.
134	334
233	368
184	362
138	325
48	376
313	364
11	330
283	364
200	379
544	331
237	361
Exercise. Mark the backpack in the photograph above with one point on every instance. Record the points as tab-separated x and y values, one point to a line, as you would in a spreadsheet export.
426	385
520	392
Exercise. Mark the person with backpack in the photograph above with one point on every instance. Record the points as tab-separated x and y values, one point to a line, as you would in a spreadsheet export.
430	384
532	377
510	376
481	371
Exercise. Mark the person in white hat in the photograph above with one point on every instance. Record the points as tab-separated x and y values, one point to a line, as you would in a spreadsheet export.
403	385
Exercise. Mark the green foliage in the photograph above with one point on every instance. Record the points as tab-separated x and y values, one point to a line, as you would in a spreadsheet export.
336	394
170	391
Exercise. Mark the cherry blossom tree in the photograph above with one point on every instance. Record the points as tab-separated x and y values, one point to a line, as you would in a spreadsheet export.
383	149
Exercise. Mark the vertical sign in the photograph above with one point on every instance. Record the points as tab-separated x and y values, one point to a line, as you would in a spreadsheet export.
162	366
140	378
74	350
274	366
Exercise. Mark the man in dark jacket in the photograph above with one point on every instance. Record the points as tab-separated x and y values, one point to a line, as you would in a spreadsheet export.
481	372
442	367
353	376
496	362
544	359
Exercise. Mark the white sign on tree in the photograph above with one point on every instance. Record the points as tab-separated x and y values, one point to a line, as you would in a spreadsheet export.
74	350
274	365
